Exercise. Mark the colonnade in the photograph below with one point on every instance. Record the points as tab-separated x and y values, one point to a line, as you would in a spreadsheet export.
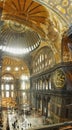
42	104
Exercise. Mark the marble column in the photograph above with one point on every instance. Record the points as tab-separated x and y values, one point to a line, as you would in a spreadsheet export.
0	80
17	90
36	102
46	107
42	106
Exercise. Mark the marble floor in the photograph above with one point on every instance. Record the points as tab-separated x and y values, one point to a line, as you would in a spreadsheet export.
21	122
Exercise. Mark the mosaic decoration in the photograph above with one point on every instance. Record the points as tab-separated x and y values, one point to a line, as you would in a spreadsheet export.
14	26
59	78
63	7
28	13
13	63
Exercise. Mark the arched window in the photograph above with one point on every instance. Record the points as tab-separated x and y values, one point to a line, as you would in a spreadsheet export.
44	59
7	86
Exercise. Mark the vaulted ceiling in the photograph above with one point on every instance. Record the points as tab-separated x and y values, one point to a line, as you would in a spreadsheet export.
26	25
15	67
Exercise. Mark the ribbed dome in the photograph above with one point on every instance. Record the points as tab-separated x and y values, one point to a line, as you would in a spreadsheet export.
26	12
19	36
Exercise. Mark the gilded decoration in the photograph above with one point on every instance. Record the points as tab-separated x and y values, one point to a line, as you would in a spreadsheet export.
45	22
24	17
59	78
18	35
17	27
63	7
13	63
28	13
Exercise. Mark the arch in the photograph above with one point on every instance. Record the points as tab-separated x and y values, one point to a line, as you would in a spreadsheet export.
43	59
66	44
8	74
57	11
14	63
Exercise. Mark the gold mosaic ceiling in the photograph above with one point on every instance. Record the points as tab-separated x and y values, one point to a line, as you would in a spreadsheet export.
21	21
61	7
33	15
26	23
17	67
22	17
28	13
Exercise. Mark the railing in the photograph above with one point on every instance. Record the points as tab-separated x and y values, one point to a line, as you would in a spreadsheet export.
50	70
54	126
49	92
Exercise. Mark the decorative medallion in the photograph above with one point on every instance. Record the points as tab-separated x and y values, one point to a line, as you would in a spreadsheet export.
59	78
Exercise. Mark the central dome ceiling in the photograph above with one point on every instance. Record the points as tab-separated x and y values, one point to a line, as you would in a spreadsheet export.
26	12
22	24
26	23
20	37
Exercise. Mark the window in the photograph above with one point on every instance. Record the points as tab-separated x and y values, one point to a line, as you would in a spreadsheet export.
46	85
40	58
12	93
43	85
7	87
2	87
12	87
43	65
50	60
23	85
43	59
36	86
2	94
46	63
7	93
50	84
38	61
45	56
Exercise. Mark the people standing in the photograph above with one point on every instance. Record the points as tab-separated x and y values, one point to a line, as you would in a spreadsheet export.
8	128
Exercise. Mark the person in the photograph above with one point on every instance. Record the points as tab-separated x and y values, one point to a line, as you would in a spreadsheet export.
8	128
14	125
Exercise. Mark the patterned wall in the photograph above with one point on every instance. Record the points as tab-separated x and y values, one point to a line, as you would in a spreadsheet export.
64	7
